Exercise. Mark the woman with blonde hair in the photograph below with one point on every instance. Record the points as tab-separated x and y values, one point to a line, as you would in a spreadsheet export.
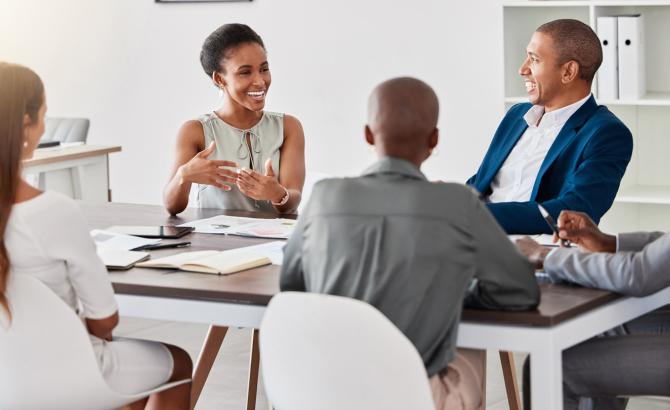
43	234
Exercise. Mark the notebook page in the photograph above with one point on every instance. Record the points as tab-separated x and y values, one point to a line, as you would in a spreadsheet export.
226	262
175	261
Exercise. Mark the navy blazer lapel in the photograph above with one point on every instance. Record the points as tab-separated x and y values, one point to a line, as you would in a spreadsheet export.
514	135
567	134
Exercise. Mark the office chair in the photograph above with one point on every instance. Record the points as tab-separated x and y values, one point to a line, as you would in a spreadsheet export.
66	130
47	357
329	352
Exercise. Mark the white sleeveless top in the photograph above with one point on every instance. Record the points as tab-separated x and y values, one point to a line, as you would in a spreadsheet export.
266	138
47	238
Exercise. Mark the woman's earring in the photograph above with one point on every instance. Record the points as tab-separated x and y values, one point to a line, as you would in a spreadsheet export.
221	92
25	144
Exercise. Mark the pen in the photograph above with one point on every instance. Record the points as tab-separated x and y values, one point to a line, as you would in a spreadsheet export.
155	246
552	225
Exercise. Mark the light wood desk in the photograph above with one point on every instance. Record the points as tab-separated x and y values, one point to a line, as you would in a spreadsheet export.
80	171
567	315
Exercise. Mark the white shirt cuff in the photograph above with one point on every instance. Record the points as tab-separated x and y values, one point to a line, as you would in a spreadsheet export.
551	252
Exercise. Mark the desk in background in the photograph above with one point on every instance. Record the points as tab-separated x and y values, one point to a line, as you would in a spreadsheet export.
80	172
567	315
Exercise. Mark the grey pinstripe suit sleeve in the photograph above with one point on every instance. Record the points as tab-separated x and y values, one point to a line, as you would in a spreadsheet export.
641	267
636	241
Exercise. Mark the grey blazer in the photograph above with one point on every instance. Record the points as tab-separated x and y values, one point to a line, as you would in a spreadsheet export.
641	265
410	248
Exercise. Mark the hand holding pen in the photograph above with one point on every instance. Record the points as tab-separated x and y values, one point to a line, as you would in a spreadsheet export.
565	242
580	229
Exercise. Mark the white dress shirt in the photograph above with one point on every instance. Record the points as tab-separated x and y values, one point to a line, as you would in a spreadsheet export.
515	180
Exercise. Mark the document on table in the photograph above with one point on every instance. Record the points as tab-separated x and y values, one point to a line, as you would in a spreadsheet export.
221	224
115	249
118	241
268	228
544	240
272	250
277	228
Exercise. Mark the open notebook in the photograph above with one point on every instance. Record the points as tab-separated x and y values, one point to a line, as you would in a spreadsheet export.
216	262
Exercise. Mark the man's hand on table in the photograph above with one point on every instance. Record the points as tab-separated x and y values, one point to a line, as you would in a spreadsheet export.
532	250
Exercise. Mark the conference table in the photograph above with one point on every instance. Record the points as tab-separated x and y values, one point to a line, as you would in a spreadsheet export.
566	316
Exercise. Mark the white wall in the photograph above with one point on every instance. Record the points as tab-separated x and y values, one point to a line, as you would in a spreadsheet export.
132	67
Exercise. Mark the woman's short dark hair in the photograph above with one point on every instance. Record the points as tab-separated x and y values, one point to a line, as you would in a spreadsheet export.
223	40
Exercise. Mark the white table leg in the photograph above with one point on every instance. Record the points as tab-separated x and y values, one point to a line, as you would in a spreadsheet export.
546	378
42	181
76	176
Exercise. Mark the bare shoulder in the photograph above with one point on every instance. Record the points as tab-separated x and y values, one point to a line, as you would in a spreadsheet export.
26	192
293	128
191	133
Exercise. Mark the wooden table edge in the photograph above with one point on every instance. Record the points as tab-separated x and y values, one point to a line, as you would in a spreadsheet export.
510	318
242	299
53	158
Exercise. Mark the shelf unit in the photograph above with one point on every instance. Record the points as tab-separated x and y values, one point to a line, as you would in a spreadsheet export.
643	201
659	99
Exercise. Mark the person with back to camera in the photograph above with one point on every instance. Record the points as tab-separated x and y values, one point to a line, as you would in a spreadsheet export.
43	234
240	156
384	237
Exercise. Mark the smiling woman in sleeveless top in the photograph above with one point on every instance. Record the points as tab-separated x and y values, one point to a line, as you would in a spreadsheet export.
240	157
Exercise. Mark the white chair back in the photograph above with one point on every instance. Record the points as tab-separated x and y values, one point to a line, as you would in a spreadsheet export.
46	357
331	353
66	129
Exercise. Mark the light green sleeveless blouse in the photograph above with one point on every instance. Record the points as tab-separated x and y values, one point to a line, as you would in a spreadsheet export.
266	137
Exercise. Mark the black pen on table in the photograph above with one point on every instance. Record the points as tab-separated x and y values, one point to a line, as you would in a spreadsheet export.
155	246
550	221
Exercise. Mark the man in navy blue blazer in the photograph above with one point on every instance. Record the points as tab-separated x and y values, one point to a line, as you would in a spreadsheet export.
563	150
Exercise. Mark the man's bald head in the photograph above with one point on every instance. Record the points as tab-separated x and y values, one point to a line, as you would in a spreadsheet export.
402	117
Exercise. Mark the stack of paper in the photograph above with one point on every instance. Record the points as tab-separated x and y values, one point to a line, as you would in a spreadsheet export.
119	241
115	249
115	259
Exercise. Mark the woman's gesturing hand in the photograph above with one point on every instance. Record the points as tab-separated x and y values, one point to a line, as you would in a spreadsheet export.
201	170
261	187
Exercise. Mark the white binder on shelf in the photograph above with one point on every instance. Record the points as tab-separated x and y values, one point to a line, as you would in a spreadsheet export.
608	74
632	84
